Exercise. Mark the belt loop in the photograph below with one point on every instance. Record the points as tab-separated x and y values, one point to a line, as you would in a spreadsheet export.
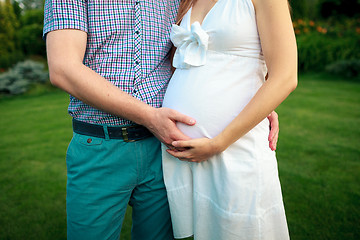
106	132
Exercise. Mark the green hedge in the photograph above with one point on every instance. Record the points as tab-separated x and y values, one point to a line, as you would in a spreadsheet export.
7	60
31	41
30	33
321	43
316	51
345	68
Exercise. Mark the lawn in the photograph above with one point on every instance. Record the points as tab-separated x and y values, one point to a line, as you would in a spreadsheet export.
318	155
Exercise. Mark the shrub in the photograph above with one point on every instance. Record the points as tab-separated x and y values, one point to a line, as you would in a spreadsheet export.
9	53
345	68
31	42
19	78
11	82
303	9
323	43
30	33
338	8
32	4
8	59
32	16
316	51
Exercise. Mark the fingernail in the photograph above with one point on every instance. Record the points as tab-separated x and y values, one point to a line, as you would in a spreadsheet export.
191	121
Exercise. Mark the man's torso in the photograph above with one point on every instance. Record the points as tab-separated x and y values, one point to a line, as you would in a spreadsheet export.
128	44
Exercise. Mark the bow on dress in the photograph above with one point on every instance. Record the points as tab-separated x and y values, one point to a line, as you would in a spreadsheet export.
191	45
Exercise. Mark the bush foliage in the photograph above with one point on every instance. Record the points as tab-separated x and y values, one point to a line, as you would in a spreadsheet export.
324	43
19	78
338	8
20	34
9	44
30	33
345	68
31	40
331	36
325	9
316	51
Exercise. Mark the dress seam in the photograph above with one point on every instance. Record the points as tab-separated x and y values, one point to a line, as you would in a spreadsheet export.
259	57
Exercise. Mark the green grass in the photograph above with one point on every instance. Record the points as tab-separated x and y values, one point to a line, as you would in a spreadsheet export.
319	158
318	155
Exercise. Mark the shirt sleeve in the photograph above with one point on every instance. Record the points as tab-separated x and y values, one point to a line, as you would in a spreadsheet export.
65	14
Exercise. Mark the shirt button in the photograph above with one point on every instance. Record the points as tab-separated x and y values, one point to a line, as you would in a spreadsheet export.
137	32
136	62
89	140
134	91
137	3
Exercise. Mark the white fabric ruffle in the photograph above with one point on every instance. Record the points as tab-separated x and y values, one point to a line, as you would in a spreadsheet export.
191	46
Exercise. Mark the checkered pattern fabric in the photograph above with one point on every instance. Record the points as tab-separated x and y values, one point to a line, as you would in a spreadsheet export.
128	44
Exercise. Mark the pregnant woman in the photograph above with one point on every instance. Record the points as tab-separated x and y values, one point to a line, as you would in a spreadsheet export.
223	184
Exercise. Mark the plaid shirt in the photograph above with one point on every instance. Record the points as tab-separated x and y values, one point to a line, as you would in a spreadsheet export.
128	44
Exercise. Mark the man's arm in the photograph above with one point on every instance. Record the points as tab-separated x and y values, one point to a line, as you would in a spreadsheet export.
65	53
274	130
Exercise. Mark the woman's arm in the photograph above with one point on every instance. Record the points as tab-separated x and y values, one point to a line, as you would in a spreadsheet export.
279	48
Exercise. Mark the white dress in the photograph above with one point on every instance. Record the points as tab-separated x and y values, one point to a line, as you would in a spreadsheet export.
235	194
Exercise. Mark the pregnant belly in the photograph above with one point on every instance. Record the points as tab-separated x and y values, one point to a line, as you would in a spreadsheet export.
212	96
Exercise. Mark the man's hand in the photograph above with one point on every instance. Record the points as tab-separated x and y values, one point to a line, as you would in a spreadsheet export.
162	124
274	130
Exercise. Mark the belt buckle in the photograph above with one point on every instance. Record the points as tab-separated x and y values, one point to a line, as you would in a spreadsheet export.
125	134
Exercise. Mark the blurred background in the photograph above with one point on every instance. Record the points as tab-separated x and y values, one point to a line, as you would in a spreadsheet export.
318	150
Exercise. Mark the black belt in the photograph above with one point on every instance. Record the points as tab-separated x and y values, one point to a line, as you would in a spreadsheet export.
127	133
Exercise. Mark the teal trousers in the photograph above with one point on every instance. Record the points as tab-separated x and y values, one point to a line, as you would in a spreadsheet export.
103	177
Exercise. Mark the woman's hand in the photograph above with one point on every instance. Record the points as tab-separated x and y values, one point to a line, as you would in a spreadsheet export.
196	150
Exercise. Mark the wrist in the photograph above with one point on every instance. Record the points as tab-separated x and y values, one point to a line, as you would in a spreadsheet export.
219	144
146	116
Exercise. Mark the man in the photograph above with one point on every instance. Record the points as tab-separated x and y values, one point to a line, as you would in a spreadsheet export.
112	58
